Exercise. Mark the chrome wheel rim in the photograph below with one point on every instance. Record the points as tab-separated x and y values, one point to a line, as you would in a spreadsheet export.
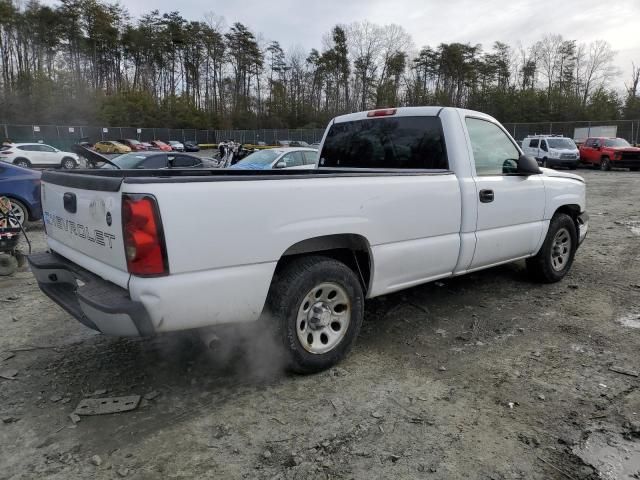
560	249
22	163
68	164
18	214
323	318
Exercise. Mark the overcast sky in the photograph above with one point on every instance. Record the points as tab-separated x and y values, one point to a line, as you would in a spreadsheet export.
430	22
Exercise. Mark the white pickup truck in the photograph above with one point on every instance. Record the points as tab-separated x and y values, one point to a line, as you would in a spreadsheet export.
400	197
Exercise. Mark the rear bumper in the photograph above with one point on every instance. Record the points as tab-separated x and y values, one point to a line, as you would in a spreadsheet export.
558	162
95	302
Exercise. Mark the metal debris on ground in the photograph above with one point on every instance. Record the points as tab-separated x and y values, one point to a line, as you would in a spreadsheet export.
74	418
624	371
9	374
151	395
96	460
106	405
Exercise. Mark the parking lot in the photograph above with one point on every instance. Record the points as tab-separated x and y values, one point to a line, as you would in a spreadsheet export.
486	376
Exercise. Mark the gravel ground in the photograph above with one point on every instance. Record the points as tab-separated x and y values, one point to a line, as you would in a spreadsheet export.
487	376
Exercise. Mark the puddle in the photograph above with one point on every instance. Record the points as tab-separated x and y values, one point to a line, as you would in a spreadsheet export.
611	455
631	320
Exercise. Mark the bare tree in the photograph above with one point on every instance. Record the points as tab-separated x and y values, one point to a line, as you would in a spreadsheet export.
594	68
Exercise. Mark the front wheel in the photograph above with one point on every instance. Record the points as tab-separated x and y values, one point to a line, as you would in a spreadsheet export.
605	164
634	169
554	259
317	305
545	163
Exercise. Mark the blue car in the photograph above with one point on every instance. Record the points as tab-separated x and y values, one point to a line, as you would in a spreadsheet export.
22	186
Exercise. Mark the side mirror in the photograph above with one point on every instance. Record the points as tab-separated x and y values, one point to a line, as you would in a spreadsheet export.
527	165
596	147
281	165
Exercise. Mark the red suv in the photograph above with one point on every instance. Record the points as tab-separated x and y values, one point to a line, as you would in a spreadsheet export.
608	153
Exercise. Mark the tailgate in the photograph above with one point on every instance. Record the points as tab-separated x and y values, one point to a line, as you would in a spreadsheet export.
83	212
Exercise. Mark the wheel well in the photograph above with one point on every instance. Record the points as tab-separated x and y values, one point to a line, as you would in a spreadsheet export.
573	211
351	249
22	158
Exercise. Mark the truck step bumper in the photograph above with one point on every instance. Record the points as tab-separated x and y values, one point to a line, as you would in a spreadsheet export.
96	303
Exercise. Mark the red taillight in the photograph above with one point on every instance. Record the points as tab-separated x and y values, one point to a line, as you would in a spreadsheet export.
143	236
385	112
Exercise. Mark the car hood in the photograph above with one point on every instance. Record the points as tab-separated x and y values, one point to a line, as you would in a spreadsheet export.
625	149
548	172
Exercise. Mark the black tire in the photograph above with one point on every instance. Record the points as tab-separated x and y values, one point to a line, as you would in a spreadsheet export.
541	266
573	166
545	163
605	164
22	162
634	169
286	297
68	163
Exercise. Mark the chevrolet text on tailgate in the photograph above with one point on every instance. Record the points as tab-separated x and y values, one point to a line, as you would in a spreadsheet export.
400	197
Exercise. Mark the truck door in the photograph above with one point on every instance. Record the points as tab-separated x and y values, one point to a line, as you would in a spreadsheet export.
588	152
510	207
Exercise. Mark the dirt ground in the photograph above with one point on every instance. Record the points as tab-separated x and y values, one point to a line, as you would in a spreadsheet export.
487	376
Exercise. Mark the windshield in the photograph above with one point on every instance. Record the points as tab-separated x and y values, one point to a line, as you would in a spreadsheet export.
133	142
263	157
561	143
616	142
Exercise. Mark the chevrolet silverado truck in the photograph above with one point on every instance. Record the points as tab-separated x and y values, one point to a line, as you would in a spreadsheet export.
400	197
608	153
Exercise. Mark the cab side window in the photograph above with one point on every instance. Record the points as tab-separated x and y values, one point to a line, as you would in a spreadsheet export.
293	159
534	143
310	158
493	151
543	145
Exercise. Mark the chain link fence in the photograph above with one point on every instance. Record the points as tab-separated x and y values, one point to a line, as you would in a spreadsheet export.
627	129
64	136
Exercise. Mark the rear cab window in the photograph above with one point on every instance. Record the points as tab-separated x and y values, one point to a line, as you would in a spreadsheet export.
388	143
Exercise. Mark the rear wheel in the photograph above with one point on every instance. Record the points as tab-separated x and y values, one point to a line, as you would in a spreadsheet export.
605	164
317	305
555	257
22	162
68	163
634	169
19	212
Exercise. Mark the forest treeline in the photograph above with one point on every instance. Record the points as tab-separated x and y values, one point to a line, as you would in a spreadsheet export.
89	62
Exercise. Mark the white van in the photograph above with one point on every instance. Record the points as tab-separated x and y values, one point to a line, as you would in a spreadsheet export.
552	150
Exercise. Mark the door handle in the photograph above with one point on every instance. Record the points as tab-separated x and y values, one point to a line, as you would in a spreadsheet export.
69	202
486	196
